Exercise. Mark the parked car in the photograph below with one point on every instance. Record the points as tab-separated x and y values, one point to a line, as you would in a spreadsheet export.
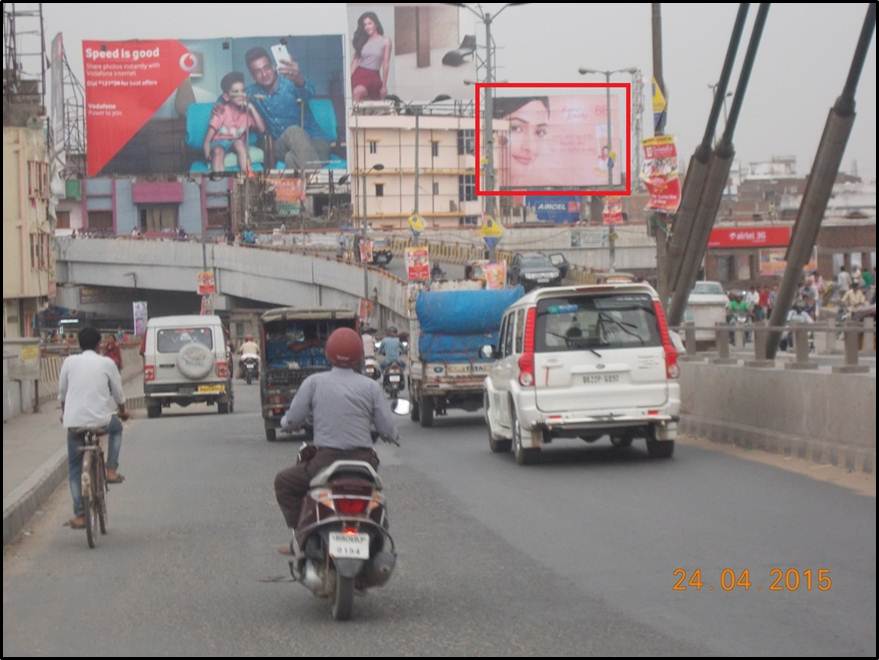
381	253
186	360
533	269
583	361
561	262
707	306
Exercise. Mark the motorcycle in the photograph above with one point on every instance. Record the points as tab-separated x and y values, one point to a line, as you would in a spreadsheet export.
343	533
393	380
249	366
371	369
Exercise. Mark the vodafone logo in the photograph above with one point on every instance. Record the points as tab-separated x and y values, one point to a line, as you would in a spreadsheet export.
188	62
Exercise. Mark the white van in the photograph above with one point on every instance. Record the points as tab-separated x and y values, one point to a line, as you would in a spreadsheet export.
583	361
186	361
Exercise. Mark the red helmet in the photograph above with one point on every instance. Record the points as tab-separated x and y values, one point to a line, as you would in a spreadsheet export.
345	348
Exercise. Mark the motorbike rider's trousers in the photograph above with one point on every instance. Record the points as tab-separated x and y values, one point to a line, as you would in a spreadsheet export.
292	484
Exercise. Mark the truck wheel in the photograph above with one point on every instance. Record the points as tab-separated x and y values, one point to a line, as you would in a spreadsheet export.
223	407
426	405
414	412
271	435
154	410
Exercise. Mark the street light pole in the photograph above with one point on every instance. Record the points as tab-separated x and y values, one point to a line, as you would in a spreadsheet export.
488	120
610	159
609	141
378	168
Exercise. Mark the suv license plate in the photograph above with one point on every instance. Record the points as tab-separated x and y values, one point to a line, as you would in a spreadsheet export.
604	378
211	389
349	546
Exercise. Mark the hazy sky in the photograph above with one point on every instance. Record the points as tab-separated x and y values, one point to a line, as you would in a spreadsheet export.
800	69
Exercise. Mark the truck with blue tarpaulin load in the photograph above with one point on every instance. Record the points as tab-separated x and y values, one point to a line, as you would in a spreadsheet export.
447	330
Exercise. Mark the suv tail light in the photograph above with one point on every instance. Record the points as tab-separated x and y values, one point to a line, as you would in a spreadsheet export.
222	369
672	371
526	360
149	372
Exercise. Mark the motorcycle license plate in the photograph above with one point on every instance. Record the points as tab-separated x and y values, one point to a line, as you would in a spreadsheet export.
394	379
349	546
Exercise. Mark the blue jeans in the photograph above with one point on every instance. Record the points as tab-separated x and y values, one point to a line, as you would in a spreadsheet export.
74	460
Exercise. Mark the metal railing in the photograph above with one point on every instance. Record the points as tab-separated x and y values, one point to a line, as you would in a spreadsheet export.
858	340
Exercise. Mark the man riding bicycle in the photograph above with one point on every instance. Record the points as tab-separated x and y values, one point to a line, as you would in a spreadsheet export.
90	389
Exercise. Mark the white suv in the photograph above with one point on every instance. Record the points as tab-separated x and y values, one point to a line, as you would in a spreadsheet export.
583	361
186	360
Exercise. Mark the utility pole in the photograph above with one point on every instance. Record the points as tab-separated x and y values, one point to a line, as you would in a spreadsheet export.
658	222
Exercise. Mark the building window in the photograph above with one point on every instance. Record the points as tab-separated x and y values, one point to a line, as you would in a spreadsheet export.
379	190
465	142
436	188
218	218
161	218
101	221
373	146
63	218
434	148
469	220
38	179
467	188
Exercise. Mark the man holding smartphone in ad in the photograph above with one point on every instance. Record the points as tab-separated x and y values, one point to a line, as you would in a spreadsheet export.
282	102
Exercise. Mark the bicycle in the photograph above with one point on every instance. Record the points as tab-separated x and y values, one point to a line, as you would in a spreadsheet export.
94	482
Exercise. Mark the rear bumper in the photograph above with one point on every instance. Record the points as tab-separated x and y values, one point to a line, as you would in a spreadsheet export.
662	419
187	392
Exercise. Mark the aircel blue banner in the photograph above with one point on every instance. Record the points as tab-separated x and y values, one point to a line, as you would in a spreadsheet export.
555	209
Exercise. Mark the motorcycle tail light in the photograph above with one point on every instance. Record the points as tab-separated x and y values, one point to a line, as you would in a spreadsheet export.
348	507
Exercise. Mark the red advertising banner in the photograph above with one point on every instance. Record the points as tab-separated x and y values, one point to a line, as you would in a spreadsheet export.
418	264
613	211
126	82
289	194
206	285
659	172
211	106
749	237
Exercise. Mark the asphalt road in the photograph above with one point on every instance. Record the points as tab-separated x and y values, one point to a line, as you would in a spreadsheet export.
575	556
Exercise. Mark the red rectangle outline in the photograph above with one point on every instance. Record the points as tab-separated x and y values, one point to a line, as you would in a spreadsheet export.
558	193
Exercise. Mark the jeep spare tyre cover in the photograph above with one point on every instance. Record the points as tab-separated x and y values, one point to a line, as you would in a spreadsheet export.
195	361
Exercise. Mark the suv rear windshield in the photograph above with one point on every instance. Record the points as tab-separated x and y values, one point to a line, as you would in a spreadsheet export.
536	262
577	323
171	341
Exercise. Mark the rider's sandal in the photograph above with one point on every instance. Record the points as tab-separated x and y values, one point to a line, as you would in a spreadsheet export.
118	480
73	524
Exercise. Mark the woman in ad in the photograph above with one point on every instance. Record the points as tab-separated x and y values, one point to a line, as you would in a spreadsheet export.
372	60
529	127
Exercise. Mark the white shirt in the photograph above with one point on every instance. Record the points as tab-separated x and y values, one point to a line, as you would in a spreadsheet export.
90	387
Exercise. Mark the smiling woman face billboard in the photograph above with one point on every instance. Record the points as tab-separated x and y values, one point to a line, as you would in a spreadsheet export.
557	141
